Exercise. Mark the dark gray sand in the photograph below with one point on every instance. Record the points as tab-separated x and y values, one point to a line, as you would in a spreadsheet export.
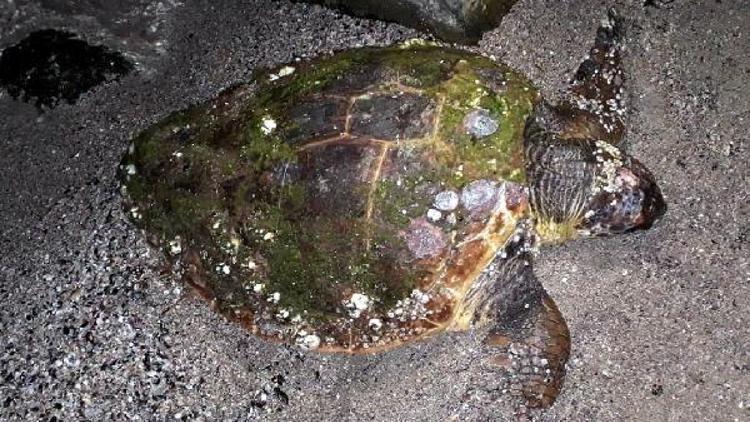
90	329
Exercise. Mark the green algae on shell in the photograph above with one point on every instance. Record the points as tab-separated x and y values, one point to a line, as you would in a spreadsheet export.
303	203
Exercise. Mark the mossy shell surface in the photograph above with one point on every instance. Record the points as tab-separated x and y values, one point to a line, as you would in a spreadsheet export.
346	203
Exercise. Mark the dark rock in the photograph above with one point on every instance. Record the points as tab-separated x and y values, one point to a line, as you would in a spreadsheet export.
461	21
50	65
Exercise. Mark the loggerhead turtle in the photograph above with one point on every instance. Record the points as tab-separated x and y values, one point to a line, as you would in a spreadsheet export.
358	202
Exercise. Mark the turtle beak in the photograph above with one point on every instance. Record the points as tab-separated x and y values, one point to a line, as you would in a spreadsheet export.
652	204
636	202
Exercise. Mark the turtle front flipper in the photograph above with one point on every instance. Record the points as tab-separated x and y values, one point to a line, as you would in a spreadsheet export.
595	106
527	340
533	352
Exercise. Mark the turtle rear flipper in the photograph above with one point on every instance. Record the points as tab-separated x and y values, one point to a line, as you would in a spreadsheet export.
528	339
595	107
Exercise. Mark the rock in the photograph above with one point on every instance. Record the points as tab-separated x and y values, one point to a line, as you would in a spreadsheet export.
461	21
50	65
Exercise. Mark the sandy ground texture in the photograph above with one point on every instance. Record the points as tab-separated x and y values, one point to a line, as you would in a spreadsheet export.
92	329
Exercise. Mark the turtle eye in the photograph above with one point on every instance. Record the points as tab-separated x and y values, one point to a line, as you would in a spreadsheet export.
631	201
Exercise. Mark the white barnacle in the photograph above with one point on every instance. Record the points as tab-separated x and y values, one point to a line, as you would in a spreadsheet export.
419	296
130	169
175	246
234	243
135	213
446	200
413	42
284	71
258	287
274	297
267	125
308	341
434	215
479	122
223	268
282	314
268	236
609	159
360	301
375	324
357	304
609	148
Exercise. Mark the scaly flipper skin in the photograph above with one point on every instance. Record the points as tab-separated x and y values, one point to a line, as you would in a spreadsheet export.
595	104
528	339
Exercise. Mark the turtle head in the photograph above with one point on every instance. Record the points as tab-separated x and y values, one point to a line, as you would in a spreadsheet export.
581	187
624	196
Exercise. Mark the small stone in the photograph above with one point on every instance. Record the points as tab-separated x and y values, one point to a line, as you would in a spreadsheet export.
446	200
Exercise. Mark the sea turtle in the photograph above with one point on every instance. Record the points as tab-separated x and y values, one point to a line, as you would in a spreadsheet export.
361	201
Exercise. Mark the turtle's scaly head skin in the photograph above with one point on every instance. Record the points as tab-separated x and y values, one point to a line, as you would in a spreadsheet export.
629	198
584	187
